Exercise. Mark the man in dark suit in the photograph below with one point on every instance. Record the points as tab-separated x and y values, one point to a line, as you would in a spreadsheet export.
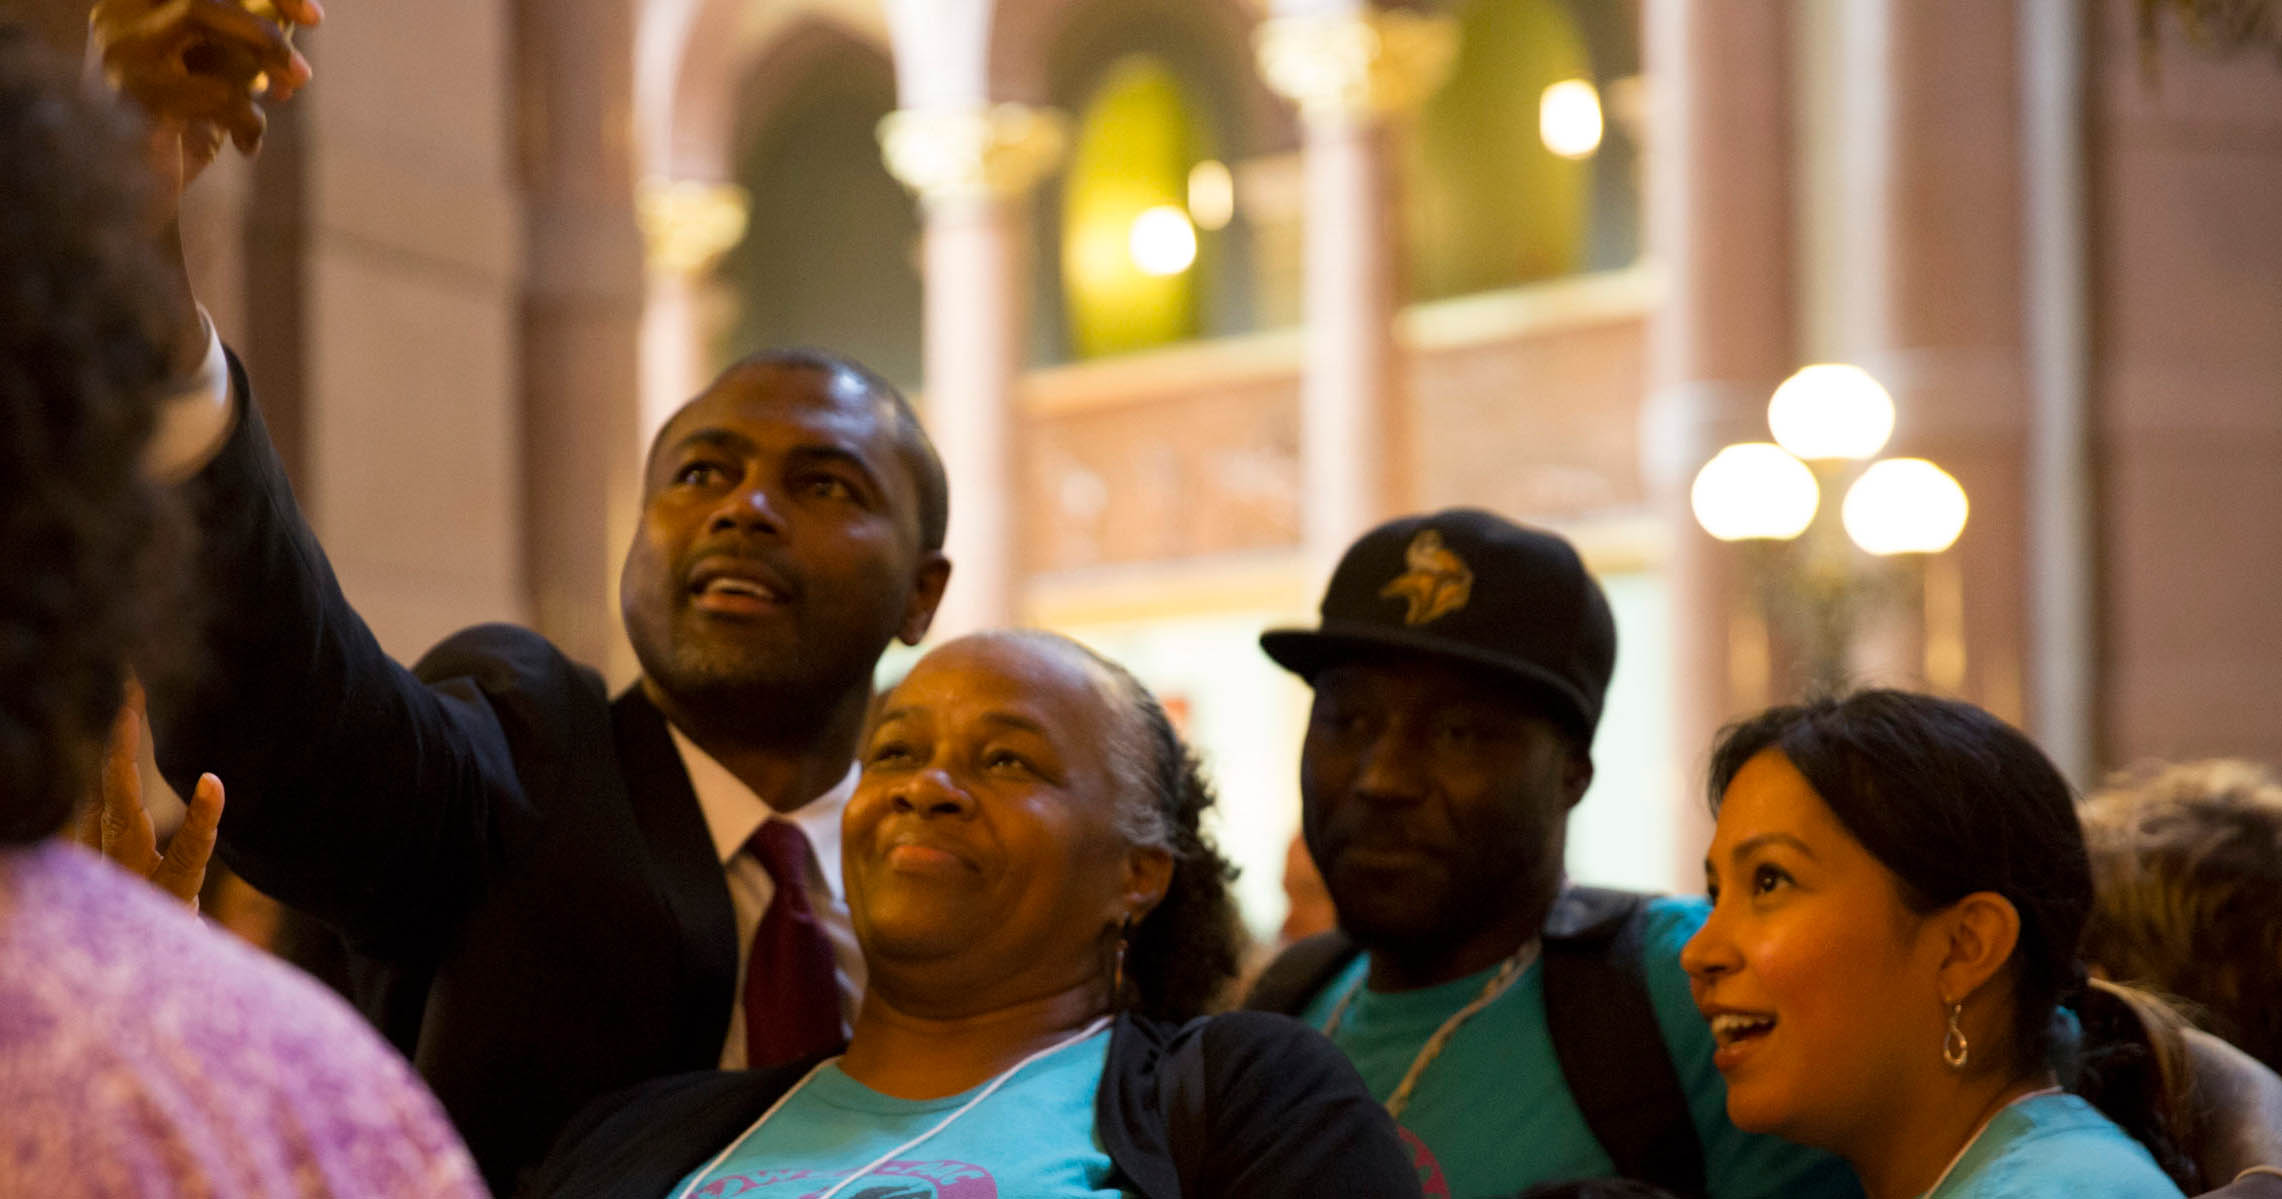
552	893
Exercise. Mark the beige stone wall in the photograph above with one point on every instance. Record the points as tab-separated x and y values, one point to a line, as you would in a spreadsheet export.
2187	270
411	273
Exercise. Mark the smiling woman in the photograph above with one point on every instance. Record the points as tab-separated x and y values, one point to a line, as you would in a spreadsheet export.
1899	884
1042	925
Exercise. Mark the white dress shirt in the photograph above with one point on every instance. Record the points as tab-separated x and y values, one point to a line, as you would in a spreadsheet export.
733	814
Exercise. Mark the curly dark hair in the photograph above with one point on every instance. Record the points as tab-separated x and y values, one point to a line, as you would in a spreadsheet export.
82	361
1182	957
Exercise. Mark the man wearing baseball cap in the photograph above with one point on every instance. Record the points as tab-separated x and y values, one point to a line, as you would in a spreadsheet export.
1519	1030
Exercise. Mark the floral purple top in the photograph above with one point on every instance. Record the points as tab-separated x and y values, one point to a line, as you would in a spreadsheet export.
142	1053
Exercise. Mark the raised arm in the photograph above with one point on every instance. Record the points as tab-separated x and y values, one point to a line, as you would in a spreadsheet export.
358	790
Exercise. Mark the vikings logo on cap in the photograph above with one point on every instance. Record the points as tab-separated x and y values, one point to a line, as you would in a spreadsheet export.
1436	584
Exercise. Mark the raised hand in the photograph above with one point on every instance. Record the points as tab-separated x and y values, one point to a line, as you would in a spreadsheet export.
121	828
200	69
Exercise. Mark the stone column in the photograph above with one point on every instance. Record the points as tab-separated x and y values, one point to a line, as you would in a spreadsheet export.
581	319
1931	213
1353	70
687	225
972	167
1719	228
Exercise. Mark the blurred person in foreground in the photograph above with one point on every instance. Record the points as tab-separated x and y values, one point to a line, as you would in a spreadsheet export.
2187	887
1521	1030
552	892
1890	967
1044	925
140	1053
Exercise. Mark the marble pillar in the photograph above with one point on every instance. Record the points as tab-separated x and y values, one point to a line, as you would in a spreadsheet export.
1719	230
582	300
972	167
1932	212
1354	71
687	225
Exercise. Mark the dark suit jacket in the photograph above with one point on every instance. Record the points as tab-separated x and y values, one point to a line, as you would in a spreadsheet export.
519	862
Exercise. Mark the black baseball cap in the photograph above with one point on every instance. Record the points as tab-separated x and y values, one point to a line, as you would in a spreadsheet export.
1470	587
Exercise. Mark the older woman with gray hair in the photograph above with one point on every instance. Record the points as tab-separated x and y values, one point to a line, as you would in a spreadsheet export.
1044	926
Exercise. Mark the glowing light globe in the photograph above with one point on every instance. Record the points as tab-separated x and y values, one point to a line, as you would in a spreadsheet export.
1162	241
1569	118
1754	491
1831	410
1904	506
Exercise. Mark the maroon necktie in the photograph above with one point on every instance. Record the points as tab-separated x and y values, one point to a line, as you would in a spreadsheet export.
792	992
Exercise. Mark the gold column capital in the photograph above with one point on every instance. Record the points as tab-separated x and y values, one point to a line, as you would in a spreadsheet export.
977	153
687	224
1358	64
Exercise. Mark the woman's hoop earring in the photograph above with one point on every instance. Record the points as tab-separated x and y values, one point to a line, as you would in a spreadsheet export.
1955	1050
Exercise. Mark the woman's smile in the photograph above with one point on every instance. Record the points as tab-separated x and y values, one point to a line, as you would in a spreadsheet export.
919	857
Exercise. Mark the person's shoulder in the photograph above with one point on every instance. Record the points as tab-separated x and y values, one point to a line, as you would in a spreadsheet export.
501	656
1235	1051
2059	1145
1252	1028
1299	971
144	1009
192	992
1674	917
640	1140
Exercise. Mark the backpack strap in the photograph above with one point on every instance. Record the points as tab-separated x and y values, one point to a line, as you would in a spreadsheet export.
1300	971
1610	1047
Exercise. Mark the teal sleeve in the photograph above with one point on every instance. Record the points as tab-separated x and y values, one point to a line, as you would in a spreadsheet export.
1737	1164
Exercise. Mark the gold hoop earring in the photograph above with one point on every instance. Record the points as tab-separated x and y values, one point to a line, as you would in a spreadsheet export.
1955	1050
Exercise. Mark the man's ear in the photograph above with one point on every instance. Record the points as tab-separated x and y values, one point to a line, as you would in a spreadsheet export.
1982	929
926	594
1575	777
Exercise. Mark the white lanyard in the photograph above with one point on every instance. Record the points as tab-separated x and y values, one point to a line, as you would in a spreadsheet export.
906	1147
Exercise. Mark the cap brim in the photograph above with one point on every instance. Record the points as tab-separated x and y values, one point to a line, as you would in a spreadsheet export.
1307	652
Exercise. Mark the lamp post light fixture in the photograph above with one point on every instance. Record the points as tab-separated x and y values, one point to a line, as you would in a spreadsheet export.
1831	411
1904	506
1754	491
1827	420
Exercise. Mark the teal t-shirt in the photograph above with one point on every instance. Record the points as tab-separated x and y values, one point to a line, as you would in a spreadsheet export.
2054	1145
1492	1114
1032	1139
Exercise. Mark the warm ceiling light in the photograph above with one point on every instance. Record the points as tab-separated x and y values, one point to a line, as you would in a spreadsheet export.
1162	241
1569	118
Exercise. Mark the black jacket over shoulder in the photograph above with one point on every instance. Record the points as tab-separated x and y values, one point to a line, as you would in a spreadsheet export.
1248	1105
518	862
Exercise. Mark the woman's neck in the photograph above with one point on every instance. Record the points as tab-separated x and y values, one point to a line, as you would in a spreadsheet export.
915	1050
1903	1157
